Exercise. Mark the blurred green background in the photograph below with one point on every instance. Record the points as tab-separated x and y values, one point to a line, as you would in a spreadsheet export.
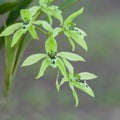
39	100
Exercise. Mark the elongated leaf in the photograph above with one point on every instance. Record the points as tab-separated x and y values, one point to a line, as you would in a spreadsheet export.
69	66
87	76
33	32
78	39
57	31
72	17
15	13
5	7
10	29
57	83
54	11
70	56
51	45
84	87
74	94
33	59
61	67
70	41
46	26
34	10
46	62
9	60
16	37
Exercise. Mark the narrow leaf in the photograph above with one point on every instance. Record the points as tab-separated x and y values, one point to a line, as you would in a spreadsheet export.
32	31
70	41
74	94
10	29
61	67
33	59
34	10
44	65
70	56
87	76
72	17
78	39
16	37
68	65
84	87
57	83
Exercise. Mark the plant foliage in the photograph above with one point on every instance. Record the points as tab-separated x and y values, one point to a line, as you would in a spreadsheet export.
30	24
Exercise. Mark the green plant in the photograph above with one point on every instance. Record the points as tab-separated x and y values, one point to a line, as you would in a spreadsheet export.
17	37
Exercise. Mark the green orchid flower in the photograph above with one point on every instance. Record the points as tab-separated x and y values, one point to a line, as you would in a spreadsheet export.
77	81
52	58
73	33
20	29
51	10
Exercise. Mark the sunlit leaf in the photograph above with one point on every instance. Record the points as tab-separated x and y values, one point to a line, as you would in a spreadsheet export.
74	94
61	67
33	32
34	10
68	66
78	39
70	56
16	37
84	87
70	41
72	17
10	29
44	65
33	59
87	76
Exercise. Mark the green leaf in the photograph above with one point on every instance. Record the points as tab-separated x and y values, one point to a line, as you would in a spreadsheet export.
10	29
15	13
72	17
57	83
54	11
87	76
70	41
44	65
32	31
74	94
51	45
26	15
84	87
70	56
5	7
68	65
44	24
33	59
78	39
16	37
34	10
57	31
61	67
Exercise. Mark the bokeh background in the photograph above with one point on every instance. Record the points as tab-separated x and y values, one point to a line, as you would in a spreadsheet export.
39	100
